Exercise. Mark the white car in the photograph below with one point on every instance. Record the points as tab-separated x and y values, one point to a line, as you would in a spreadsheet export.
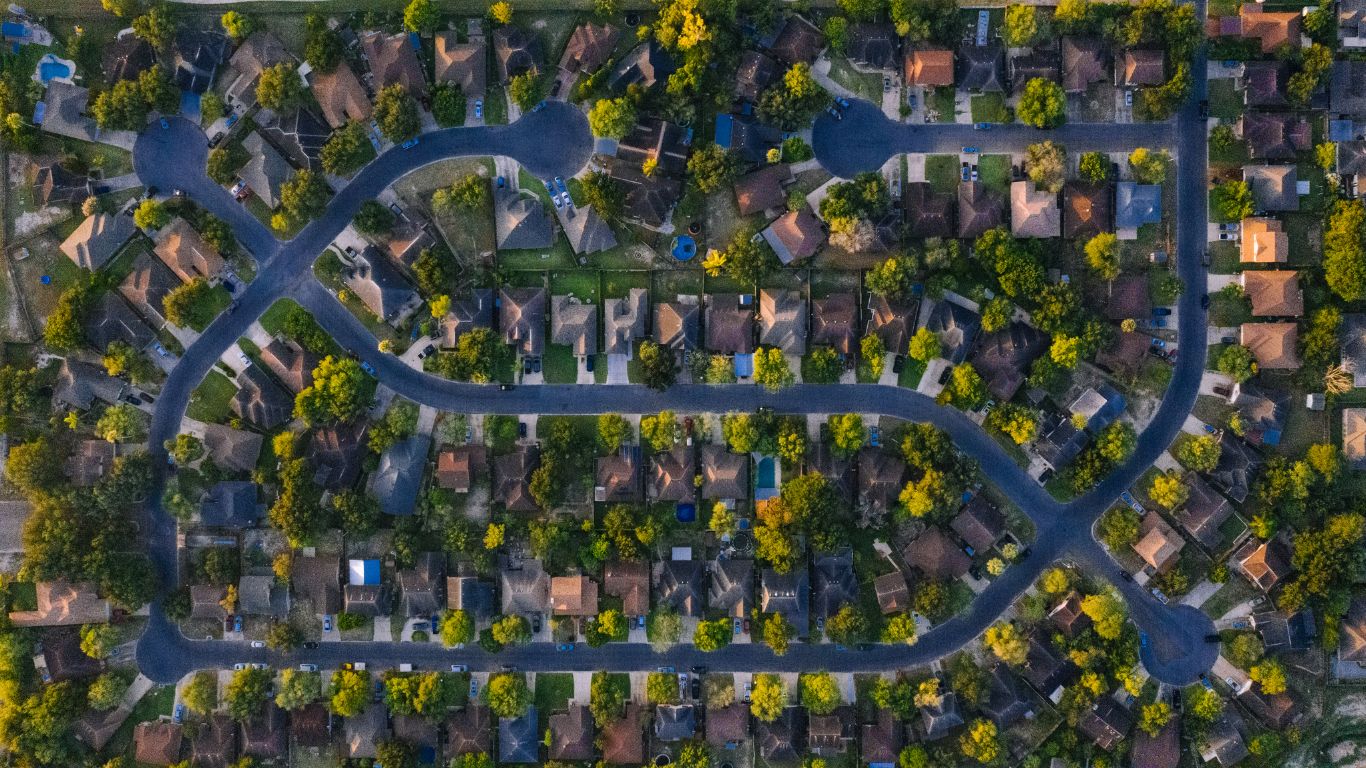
258	644
459	668
239	666
308	667
243	359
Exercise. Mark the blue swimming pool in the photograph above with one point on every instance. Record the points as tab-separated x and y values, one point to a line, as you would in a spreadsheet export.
765	475
52	68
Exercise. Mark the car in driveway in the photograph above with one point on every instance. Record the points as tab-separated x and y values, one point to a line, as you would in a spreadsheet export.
479	108
243	359
327	623
835	113
237	623
428	352
501	182
179	715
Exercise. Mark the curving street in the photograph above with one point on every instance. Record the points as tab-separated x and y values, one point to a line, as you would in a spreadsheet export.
556	141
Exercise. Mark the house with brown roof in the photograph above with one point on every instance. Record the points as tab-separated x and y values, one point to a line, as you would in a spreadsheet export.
936	555
783	320
147	286
215	742
573	596
589	47
464	65
893	595
927	214
795	235
622	739
62	603
1264	242
158	742
980	523
763	190
260	400
1003	358
235	450
1125	354
624	321
515	51
64	658
1158	544
1107	723
96	239
880	477
1354	436
1033	64
318	580
512	477
458	466
1068	616
264	736
362	733
798	40
618	478
892	321
1264	563
1273	293
521	317
1127	297
469	731
336	452
979	209
754	74
1352	633
834	322
340	96
292	364
393	61
90	462
882	739
1162	750
677	324
1264	83
571	734
1272	344
311	726
1143	66
673	475
1083	63
930	67
730	325
574	324
1204	512
1033	212
1087	209
725	475
1274	187
1273	28
727	726
1274	136
628	580
259	52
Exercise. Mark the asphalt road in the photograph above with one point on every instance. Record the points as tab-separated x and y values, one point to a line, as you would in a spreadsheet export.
555	141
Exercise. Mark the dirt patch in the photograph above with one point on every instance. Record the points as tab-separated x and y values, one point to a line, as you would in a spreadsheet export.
1352	706
29	222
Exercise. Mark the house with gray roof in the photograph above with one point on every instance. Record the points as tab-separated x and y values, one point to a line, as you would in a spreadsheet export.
834	584
787	594
147	286
678	585
472	309
397	480
95	241
519	738
230	504
1274	187
732	587
624	321
526	589
110	319
1136	205
521	222
586	230
266	169
521	317
382	287
422	588
260	400
725	475
783	320
574	324
80	384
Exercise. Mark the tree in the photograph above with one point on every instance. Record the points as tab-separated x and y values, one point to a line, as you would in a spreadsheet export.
981	742
508	695
420	16
925	345
98	640
659	367
156	27
304	195
347	150
224	161
712	167
890	278
121	8
151	214
1045	161
120	108
1022	26
1107	612
511	630
965	388
396	114
614	431
866	196
661	430
201	694
820	693
795	100
106	691
1017	421
712	635
1204	704
1198	453
1116	442
900	628
189	305
661	688
298	689
847	433
873	353
771	370
848	626
746	261
120	424
612	118
393	753
374	218
525	89
1007	643
1344	255
340	392
1232	201
1102	255
247	692
238	26
323	47
279	87
1169	490
778	632
501	12
1042	105
1153	717
1237	362
767	697
1095	167
1149	167
606	698
1270	676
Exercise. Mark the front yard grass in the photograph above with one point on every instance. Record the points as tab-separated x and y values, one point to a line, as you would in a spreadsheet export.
990	108
1225	102
867	85
942	102
209	402
942	172
553	691
911	371
559	364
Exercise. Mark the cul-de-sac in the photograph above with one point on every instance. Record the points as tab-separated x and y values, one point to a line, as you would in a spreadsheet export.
695	383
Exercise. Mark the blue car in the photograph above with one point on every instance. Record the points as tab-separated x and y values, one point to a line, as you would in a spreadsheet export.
565	647
327	623
969	150
368	368
237	624
179	715
165	124
842	102
410	143
550	188
559	183
479	108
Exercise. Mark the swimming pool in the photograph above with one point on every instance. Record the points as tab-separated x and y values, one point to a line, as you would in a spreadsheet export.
765	477
50	68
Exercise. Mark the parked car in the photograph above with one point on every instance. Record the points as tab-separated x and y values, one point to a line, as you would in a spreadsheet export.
588	362
874	436
179	714
459	668
565	647
368	368
501	182
1161	311
1204	301
410	143
479	108
237	623
506	387
327	623
521	432
243	359
239	666
308	667
749	688
969	150
981	127
1128	98
165	124
474	688
310	645
258	644
835	113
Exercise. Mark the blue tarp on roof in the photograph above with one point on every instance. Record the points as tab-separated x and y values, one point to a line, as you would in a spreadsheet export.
13	29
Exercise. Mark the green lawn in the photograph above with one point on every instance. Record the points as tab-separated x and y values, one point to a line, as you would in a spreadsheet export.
865	84
942	101
1225	102
209	401
994	172
990	108
273	319
1236	154
215	302
942	172
559	364
553	691
580	283
1227	311
156	703
911	371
